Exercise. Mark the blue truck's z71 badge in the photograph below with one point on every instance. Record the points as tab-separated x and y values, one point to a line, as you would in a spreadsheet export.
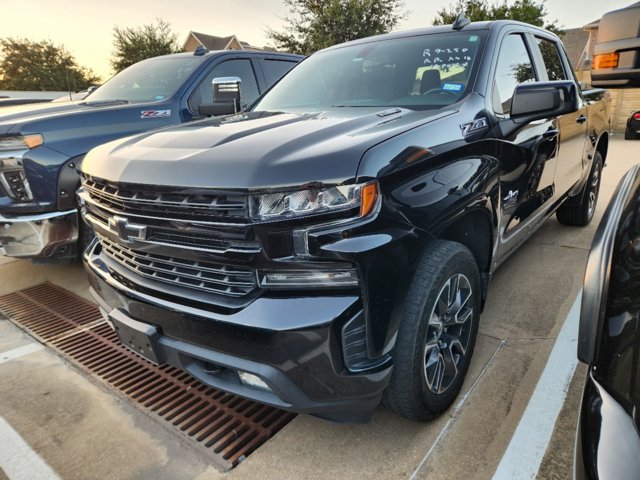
155	113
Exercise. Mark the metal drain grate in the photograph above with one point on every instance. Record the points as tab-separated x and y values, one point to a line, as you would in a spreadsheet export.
229	426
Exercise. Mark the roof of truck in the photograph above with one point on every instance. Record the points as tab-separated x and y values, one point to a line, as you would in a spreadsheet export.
473	26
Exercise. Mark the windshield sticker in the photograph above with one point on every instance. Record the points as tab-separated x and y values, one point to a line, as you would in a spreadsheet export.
159	97
452	87
446	57
155	113
473	38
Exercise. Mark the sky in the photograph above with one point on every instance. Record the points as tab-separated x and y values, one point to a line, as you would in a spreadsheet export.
85	28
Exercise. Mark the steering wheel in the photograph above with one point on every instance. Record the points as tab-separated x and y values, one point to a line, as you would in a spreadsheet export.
439	91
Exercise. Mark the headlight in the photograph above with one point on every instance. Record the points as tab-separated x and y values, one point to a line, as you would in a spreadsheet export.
14	181
20	142
282	205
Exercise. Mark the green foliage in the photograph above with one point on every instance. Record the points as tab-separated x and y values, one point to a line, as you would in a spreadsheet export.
317	24
43	66
528	11
132	45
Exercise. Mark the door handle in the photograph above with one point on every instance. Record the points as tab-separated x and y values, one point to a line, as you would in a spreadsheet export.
581	119
551	133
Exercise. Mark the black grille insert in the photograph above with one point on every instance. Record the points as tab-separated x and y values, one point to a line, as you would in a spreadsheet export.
186	205
232	281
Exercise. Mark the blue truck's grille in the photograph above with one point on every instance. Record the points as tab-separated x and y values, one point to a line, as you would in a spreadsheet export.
195	205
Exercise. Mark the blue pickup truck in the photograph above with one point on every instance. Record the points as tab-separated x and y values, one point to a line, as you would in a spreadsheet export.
42	145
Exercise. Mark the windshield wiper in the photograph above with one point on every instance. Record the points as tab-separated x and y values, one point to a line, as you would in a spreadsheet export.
105	102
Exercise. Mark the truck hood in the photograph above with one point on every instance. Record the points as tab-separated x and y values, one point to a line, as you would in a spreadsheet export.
74	127
257	150
21	115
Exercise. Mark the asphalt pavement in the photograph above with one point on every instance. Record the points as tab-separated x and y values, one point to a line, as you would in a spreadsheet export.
61	420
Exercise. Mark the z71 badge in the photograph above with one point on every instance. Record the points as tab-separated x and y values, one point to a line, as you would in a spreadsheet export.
155	113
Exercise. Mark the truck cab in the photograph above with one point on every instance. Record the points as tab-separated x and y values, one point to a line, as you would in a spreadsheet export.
42	145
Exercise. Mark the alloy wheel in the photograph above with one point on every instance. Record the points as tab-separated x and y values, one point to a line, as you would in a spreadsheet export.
594	187
448	333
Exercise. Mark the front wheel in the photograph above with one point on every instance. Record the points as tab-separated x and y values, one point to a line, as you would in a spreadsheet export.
581	215
437	332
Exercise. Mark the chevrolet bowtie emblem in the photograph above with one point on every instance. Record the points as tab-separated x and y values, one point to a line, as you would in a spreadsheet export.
127	232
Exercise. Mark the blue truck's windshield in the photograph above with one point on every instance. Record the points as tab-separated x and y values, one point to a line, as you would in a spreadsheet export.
424	71
147	81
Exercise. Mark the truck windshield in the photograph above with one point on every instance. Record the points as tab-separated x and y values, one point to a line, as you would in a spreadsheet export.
147	81
425	71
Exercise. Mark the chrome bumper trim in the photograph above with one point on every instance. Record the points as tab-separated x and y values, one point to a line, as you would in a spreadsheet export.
33	236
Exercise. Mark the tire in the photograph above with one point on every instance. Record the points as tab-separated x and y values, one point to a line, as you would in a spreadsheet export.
581	215
420	387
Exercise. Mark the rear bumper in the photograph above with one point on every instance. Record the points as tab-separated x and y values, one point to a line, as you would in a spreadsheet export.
292	344
38	236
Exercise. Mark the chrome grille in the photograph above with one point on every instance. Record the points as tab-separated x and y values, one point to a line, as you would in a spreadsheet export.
207	277
182	205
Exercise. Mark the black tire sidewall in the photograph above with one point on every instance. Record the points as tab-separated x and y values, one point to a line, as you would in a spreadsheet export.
426	285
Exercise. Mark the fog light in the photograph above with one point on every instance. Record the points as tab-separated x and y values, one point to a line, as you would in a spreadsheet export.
253	381
309	278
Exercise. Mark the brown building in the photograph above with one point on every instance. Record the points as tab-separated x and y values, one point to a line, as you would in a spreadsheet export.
211	42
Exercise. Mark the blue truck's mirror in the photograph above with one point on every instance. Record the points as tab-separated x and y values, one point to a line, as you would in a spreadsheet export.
226	96
616	56
535	101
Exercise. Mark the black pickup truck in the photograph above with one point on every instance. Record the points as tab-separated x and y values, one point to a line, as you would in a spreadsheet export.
332	246
41	145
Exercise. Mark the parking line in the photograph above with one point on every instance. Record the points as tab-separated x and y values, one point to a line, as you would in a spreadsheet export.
454	413
18	460
20	352
529	442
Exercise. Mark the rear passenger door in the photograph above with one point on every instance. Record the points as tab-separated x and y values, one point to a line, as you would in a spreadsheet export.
572	126
275	68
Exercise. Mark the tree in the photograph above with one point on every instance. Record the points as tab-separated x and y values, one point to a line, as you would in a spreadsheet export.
528	11
317	24
134	44
29	65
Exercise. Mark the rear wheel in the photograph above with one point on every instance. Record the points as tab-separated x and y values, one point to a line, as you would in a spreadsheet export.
582	214
437	333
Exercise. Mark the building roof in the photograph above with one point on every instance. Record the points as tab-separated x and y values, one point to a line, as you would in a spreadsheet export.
575	40
211	42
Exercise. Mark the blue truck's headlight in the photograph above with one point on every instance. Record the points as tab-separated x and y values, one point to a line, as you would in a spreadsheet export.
13	180
312	201
20	142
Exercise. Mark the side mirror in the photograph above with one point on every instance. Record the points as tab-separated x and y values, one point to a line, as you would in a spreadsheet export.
91	89
227	97
535	101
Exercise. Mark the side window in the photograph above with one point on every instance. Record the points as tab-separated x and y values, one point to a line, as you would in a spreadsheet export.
552	60
514	66
275	69
231	68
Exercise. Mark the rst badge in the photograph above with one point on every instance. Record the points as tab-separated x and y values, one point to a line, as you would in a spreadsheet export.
155	113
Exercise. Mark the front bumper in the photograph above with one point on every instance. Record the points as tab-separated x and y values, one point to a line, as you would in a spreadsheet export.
292	344
38	236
